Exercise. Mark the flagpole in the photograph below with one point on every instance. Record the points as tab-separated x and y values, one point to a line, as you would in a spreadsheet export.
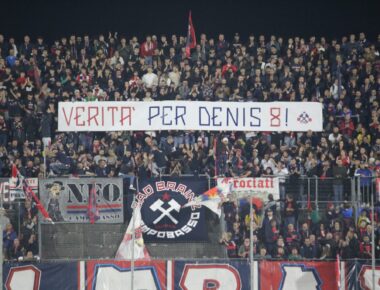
133	235
373	239
44	155
215	156
251	239
1	240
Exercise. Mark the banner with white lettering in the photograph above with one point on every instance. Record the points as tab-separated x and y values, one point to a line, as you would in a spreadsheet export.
184	115
299	275
359	275
41	276
4	189
260	187
11	189
116	275
216	274
164	218
195	274
67	199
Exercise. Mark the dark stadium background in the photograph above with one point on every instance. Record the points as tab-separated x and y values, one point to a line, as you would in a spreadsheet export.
319	17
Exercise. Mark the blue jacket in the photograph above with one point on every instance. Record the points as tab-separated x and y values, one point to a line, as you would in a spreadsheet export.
365	176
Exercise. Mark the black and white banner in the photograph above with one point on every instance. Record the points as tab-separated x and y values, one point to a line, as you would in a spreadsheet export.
11	189
163	217
67	199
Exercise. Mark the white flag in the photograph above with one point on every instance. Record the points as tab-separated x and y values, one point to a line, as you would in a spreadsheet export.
126	247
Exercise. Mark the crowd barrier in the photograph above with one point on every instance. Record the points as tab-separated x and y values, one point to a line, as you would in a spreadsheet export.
115	194
190	275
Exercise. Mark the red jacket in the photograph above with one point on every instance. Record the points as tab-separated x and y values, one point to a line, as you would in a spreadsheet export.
346	128
226	67
147	49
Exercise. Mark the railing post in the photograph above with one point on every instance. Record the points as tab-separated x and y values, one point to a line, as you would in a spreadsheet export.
251	239
358	193
373	238
316	194
39	239
2	213
308	190
354	198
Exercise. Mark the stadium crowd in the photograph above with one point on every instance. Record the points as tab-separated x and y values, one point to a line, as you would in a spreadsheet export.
342	74
285	233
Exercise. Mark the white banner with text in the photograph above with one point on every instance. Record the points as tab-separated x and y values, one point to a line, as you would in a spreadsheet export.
259	187
187	115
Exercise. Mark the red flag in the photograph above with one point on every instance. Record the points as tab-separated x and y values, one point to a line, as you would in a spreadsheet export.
308	202
191	41
29	192
14	171
93	212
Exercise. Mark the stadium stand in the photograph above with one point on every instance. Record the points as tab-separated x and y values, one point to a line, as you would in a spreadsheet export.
342	74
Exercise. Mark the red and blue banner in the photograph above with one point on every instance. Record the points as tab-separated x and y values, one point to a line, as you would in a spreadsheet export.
41	276
360	276
199	275
298	275
164	219
116	275
189	275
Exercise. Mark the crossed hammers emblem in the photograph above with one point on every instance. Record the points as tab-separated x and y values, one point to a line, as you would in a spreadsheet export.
157	206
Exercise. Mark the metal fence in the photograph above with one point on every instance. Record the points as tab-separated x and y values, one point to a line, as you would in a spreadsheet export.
313	198
313	195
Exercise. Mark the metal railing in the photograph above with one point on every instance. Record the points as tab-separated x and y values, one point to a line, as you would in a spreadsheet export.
308	191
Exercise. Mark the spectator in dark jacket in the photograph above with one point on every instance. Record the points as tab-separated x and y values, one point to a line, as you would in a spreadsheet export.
308	250
340	175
